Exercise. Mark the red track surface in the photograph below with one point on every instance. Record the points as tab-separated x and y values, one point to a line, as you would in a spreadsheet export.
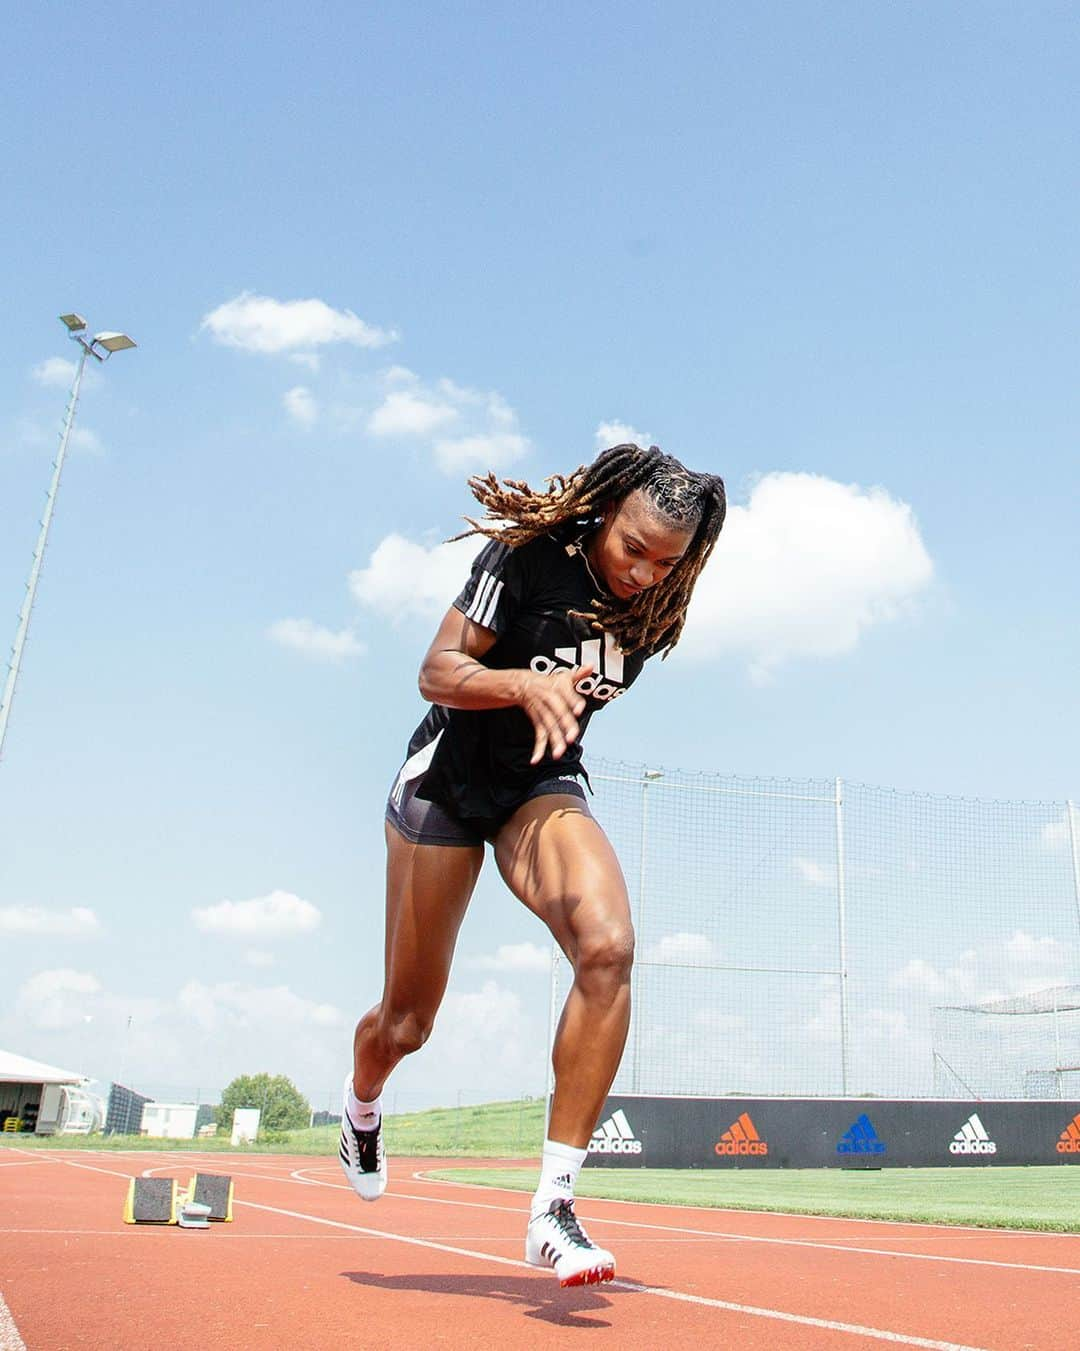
306	1264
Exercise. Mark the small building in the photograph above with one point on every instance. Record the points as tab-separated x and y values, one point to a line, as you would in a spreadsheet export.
169	1120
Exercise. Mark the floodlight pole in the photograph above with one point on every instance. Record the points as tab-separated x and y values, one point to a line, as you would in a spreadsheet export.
74	324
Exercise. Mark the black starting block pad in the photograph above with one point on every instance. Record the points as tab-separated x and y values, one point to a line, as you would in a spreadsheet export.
214	1190
151	1200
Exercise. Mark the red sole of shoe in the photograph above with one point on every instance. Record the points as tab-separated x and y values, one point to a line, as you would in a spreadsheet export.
591	1276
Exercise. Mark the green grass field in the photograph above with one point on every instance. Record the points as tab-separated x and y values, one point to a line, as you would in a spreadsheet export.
1013	1198
1017	1198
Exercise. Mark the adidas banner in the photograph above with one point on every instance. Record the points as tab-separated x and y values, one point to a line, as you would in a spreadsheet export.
654	1132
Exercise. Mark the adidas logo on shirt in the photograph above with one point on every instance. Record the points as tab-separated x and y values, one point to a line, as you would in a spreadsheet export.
861	1138
741	1137
972	1138
615	1136
1069	1143
605	681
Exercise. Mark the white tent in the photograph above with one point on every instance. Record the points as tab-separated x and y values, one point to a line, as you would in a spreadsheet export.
34	1093
17	1069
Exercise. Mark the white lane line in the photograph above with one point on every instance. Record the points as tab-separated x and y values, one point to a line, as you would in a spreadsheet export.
803	1320
722	1235
9	1333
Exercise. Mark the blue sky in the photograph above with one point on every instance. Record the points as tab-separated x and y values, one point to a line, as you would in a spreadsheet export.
829	253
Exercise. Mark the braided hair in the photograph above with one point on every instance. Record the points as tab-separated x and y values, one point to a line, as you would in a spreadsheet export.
654	618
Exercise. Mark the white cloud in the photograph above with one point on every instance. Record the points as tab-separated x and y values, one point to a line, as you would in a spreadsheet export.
311	361
400	375
803	570
226	1005
258	957
1001	968
194	1038
515	957
261	324
488	1040
300	405
88	441
275	916
814	873
486	433
920	975
30	919
616	433
492	450
683	949
312	640
57	999
713	1022
1026	950
888	1024
54	372
406	413
403	578
1055	836
824	1025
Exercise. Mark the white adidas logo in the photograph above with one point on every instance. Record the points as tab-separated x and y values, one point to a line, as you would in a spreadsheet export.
614	1136
605	681
972	1138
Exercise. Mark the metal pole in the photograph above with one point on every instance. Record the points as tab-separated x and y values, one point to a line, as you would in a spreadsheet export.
553	1010
1057	1047
638	1001
39	553
841	919
1070	813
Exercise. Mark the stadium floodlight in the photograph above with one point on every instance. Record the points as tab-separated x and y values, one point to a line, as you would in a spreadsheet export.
113	342
109	343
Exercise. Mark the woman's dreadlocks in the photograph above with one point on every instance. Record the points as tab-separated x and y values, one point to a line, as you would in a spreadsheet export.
654	618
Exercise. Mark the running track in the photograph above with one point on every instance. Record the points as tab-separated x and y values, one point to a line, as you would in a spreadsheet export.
305	1264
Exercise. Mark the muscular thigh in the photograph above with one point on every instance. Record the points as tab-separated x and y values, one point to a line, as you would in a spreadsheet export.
555	858
427	893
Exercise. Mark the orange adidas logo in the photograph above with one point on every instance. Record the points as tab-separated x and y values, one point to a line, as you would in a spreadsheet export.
742	1138
1070	1137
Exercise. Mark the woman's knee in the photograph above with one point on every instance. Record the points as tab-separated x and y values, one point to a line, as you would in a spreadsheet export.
407	1032
605	953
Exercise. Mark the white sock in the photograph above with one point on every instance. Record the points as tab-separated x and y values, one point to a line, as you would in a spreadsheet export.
365	1116
559	1167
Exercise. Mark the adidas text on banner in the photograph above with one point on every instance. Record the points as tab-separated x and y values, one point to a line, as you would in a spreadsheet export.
1069	1142
556	1239
615	1136
741	1137
972	1138
363	1159
861	1138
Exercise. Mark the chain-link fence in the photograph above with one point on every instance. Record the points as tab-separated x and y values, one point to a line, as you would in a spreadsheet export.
821	937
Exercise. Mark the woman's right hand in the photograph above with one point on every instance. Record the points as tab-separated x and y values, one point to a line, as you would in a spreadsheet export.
553	706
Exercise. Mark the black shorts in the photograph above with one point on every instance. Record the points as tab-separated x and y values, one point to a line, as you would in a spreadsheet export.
425	822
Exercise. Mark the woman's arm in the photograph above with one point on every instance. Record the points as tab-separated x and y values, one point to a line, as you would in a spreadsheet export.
453	674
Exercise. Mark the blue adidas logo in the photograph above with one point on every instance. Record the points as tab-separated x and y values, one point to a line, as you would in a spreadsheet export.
861	1138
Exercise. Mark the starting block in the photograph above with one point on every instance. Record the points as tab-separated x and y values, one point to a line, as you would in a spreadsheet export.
214	1190
159	1200
151	1200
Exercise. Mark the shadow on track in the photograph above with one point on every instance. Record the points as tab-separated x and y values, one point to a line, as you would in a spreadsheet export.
546	1301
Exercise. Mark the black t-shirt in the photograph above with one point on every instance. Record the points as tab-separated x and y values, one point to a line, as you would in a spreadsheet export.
475	762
